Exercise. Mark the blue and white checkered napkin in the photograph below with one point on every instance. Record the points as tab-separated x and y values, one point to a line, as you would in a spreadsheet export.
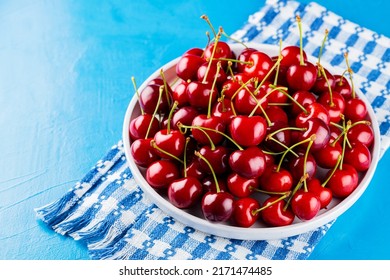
111	214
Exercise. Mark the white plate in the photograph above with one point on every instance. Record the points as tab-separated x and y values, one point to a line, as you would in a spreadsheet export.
259	231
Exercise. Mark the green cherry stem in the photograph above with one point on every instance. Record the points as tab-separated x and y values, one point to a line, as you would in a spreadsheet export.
234	39
183	129
211	168
350	72
212	89
296	188
278	67
255	212
331	104
137	93
206	18
322	48
276	64
154	145
170	116
333	171
217	37
344	143
185	157
160	92
165	87
268	192
298	18
292	99
312	138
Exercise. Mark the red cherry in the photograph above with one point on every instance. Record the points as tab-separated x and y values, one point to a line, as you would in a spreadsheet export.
327	157
274	213
313	110
185	192
139	126
362	133
249	163
283	137
321	84
355	109
320	129
304	98
217	206
223	110
222	50
248	131
244	214
212	71
323	194
336	108
214	123
179	94
260	65
199	94
185	115
217	157
230	86
276	114
149	96
276	181
301	77
342	86
240	186
172	142
359	156
161	173
208	184
194	169
244	56
246	101
344	181
142	152
297	165
187	66
305	205
273	96
291	55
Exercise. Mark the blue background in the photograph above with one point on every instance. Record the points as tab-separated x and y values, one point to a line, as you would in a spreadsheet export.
65	69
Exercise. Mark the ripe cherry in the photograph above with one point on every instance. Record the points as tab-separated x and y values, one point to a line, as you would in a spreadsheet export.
344	181
361	132
323	194
320	129
259	65
249	163
327	157
139	126
187	66
240	186
305	205
303	98
217	206
169	143
248	131
355	109
204	127
359	156
200	94
185	192
161	173
142	152
274	213
218	157
244	214
274	180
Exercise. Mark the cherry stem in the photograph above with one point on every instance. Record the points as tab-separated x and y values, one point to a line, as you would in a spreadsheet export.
342	77
231	60
344	143
211	169
296	188
221	100
283	129
180	126
278	67
155	111
298	18
350	71
305	160
268	192
212	89
165	87
255	212
217	37
311	138
206	18
322	47
276	64
333	171
281	144
185	157
155	146
229	70
242	85
137	92
213	130
331	104
234	39
292	99
208	42
170	116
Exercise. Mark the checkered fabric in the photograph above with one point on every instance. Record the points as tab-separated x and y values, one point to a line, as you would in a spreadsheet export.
110	213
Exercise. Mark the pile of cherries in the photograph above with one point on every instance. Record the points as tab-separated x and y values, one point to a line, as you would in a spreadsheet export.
236	127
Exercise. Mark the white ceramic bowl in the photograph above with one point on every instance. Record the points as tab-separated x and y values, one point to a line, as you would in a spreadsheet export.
258	231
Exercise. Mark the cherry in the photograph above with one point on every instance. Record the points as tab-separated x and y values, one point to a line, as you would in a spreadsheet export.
355	109
276	114
274	213
247	100
297	166
150	98
313	110
208	74
305	205
244	214
323	194
291	55
303	98
248	131
185	192
218	157
200	94
204	128
185	115
327	157
318	128
169	143
274	180
361	132
223	110
249	163
179	93
334	103
281	137
209	185
244	56
321	84
139	126
274	96
344	181
142	152
217	206
358	156
342	86
161	173
259	65
188	65
194	169
222	51
240	186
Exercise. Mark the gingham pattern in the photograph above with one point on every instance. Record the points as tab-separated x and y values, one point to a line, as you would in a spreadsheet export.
111	214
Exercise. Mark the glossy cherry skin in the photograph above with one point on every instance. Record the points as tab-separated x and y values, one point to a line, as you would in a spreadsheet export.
172	142
223	110
249	163
362	133
185	192
248	131
301	77
305	205
274	214
276	114
274	96
291	55
321	85
359	156
260	65
314	110
304	98
161	173
276	181
244	214
185	115
222	50
187	67
179	94
218	158
142	152
247	99
327	157
240	186
336	109
244	56
344	181
139	126
320	129
342	86
199	94
296	166
208	184
217	206
149	96
323	194
212	72
283	138
230	86
355	109
212	122
194	169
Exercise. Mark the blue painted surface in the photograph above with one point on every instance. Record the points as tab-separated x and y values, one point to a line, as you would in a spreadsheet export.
65	69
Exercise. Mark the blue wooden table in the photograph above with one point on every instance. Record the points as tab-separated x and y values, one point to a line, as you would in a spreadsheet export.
65	69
